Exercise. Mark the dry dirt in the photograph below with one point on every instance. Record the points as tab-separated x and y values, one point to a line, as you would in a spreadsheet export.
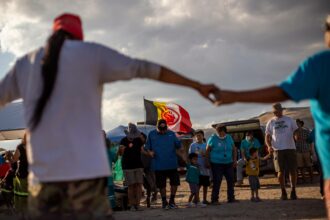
308	206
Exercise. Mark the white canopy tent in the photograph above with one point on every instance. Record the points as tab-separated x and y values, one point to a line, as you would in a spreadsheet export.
12	122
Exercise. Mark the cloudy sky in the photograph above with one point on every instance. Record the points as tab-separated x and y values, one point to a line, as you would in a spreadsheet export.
234	44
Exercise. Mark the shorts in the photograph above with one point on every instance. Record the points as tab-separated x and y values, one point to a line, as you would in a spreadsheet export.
194	188
133	176
254	182
82	199
162	175
204	180
304	159
285	160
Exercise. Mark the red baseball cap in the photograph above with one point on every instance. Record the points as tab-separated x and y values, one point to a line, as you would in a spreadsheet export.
70	23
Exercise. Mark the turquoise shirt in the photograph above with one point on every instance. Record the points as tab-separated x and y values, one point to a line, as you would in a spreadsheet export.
221	149
247	145
192	174
311	81
112	157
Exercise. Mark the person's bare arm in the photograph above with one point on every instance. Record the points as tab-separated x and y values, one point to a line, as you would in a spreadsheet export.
234	155
207	156
16	156
264	95
268	140
209	91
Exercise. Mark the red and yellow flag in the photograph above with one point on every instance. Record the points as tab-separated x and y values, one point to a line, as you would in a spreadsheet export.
177	118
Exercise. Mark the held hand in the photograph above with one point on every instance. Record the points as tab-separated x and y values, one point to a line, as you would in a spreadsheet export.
224	97
207	164
152	154
235	163
209	91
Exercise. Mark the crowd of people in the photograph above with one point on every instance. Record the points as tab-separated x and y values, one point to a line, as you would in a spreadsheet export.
64	122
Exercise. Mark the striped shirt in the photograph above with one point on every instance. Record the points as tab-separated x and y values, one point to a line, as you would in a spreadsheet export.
302	144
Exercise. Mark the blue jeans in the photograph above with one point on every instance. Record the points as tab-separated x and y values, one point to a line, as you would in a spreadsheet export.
218	171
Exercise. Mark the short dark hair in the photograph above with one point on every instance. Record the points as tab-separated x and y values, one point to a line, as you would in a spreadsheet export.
300	122
192	155
221	127
249	133
199	131
253	150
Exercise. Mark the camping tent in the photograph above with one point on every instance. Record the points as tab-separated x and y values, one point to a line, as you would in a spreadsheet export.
116	134
12	123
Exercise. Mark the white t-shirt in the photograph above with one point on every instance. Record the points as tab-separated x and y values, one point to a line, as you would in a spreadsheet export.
282	129
68	143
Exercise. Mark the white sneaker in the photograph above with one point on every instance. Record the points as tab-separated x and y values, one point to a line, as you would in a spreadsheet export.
200	204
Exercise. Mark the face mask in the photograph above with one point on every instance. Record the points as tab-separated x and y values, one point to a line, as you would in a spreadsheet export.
222	138
249	138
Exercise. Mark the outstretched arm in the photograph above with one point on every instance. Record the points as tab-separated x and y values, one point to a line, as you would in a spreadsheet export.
208	91
264	95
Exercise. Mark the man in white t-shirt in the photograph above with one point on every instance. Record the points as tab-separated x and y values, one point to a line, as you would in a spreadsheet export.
279	139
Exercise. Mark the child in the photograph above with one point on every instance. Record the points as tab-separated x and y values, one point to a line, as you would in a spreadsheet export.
193	179
199	148
252	170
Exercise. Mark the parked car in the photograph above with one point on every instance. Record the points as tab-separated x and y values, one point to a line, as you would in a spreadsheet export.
237	130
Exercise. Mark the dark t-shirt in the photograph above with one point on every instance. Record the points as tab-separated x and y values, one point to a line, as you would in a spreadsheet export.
22	166
132	154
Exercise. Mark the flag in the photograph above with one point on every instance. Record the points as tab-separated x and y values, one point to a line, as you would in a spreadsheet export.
177	118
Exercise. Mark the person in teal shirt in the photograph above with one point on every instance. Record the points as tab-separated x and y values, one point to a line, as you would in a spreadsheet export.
249	142
221	156
309	82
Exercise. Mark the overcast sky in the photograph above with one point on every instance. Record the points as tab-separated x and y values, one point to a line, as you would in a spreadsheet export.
234	44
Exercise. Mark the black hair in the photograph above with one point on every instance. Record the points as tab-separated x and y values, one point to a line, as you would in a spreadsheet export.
249	133
192	155
49	67
199	132
253	150
221	127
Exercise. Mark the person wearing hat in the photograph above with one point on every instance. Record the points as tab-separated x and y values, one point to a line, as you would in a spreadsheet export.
130	148
163	146
279	139
309	82
305	153
61	87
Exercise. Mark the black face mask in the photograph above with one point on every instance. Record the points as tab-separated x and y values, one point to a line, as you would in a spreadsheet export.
162	128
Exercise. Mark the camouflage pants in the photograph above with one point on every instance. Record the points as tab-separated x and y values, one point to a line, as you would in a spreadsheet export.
84	199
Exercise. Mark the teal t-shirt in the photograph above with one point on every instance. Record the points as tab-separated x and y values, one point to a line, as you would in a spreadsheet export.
221	149
193	173
247	145
311	81
112	157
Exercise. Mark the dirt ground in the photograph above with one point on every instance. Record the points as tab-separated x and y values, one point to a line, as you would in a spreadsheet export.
308	206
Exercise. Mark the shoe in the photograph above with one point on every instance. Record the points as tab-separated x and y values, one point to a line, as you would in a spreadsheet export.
293	195
258	199
190	205
132	208
284	196
200	204
172	206
232	201
206	202
165	205
215	203
253	199
239	183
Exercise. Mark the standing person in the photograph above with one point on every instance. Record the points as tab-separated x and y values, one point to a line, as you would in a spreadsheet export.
304	150
162	145
252	170
20	180
311	140
309	81
221	156
199	148
64	121
246	144
279	138
131	147
192	177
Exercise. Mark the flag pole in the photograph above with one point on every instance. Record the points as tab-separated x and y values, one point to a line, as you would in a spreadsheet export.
145	117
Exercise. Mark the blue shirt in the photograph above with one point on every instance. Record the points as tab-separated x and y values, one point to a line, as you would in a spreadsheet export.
200	149
221	149
192	175
311	81
164	146
247	145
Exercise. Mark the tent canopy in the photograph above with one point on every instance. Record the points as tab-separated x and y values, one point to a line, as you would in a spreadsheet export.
118	133
12	123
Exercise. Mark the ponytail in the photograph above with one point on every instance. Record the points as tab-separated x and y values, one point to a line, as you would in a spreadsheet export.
49	67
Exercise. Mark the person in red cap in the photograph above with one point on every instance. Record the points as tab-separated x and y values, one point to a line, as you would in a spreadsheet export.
61	87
